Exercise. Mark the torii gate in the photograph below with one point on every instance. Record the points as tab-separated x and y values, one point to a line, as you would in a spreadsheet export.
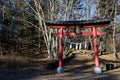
77	25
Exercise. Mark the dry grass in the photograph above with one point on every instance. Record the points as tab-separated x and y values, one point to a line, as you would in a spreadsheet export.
9	61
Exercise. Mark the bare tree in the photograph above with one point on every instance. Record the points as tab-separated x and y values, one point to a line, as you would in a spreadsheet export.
54	10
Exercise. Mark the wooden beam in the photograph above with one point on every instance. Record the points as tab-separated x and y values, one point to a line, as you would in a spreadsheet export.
74	34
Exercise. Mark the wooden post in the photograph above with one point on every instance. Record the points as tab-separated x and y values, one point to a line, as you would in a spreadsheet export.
61	48
97	68
60	64
95	48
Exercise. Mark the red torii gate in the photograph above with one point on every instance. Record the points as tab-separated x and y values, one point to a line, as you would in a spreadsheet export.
77	25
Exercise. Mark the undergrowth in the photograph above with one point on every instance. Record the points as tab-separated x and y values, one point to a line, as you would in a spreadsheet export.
9	61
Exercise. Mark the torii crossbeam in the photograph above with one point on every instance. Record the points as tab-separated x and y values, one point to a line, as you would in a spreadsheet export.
77	25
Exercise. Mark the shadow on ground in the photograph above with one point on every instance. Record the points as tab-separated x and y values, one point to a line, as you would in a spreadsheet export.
76	69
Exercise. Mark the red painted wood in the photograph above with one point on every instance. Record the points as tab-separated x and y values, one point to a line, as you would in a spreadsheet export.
74	34
97	64
85	26
54	27
98	25
93	33
60	47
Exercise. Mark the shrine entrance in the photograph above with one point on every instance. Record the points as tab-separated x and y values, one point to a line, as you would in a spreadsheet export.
77	25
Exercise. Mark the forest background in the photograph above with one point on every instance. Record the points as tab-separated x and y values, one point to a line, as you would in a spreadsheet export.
23	31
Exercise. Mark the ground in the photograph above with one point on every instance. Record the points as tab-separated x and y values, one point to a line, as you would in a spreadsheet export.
79	68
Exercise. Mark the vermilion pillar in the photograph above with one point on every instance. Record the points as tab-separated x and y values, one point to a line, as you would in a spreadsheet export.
61	47
95	47
97	68
60	68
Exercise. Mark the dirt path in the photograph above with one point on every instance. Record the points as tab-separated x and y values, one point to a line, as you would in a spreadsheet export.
80	68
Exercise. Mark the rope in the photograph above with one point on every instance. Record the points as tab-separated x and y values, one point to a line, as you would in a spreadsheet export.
80	42
78	45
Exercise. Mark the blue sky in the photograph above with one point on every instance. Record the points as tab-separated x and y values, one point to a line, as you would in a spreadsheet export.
92	8
83	11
